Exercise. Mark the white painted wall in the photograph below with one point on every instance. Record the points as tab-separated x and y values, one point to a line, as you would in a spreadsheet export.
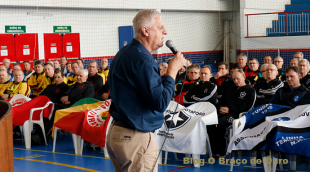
190	31
213	5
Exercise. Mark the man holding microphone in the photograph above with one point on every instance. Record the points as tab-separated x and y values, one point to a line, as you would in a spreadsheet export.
139	95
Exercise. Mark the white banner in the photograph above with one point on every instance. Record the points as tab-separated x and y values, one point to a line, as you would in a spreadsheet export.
291	129
187	127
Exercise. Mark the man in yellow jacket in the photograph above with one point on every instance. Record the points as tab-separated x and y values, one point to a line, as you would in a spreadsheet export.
3	81
36	80
73	78
18	86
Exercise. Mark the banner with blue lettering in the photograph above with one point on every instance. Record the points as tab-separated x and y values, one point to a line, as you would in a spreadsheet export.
276	127
185	128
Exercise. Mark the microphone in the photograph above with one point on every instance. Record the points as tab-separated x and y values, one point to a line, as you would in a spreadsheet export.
170	45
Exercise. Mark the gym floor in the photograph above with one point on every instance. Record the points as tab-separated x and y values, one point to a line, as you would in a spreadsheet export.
41	159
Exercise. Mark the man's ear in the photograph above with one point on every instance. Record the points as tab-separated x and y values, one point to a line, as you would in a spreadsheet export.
144	31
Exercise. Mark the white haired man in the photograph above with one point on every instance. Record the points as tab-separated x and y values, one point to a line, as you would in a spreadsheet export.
139	93
304	66
266	89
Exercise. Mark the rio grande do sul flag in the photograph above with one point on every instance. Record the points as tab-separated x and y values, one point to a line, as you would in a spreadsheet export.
88	118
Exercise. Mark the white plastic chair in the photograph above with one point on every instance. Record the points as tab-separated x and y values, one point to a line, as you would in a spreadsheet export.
78	141
28	125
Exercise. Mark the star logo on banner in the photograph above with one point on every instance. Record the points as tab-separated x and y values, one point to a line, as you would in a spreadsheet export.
177	120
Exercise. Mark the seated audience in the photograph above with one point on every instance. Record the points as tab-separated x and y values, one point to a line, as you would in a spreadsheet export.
293	93
192	77
104	68
80	62
266	89
56	91
228	108
221	76
268	59
81	89
181	74
242	60
294	62
299	55
93	78
16	66
252	73
6	62
304	66
27	70
56	64
36	79
69	69
165	67
3	81
18	86
278	61
63	65
202	91
72	79
161	70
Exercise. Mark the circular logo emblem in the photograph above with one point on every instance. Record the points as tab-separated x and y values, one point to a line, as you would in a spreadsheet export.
81	87
57	91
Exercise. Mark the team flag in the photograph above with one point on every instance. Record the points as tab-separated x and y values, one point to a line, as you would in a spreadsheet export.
276	127
88	118
22	107
185	128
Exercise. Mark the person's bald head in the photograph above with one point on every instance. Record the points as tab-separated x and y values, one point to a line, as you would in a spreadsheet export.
294	62
3	76
239	78
3	68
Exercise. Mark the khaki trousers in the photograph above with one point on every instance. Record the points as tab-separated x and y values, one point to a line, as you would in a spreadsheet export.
132	150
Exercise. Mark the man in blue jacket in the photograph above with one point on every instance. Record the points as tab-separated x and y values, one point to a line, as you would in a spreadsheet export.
139	95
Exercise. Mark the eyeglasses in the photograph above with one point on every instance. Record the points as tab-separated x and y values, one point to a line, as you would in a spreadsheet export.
278	61
270	70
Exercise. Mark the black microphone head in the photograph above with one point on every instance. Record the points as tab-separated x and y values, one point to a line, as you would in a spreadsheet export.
169	44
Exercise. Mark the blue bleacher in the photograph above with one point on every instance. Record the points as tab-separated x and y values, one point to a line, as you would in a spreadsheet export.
293	2
297	7
298	23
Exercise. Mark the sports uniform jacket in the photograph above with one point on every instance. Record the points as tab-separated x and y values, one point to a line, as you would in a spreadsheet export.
35	83
219	82
55	92
201	92
3	87
298	96
72	80
240	100
265	91
305	80
19	88
97	81
80	91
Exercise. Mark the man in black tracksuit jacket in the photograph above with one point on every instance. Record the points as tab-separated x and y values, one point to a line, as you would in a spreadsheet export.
229	107
266	89
304	66
202	91
294	93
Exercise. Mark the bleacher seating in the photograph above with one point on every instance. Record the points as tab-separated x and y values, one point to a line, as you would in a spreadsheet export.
298	22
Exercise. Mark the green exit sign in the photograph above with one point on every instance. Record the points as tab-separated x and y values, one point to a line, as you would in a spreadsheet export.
62	29
15	29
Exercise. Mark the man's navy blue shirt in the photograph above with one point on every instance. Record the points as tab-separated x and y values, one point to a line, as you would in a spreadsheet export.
139	95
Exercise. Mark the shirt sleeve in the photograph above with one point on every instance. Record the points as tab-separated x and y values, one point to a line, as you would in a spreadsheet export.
154	91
